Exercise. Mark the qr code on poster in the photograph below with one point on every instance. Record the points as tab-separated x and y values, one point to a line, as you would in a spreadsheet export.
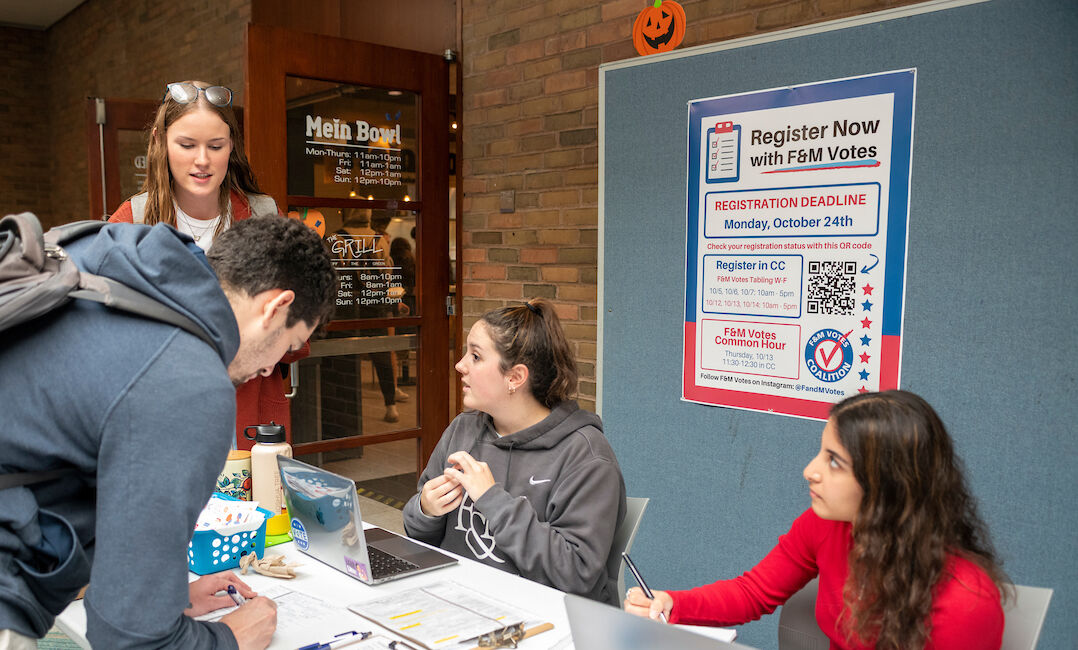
831	287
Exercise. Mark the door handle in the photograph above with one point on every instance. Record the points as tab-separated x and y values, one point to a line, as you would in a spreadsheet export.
293	377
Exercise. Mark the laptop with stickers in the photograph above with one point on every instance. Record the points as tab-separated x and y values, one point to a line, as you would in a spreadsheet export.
327	525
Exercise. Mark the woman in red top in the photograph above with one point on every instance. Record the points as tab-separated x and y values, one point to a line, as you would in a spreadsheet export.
199	181
903	558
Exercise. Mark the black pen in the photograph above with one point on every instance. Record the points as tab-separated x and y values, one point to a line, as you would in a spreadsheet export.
640	581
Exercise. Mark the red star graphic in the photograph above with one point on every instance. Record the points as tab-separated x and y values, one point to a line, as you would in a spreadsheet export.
862	390
866	323
865	357
867	289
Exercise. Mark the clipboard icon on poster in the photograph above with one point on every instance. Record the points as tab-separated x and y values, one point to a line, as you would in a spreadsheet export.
724	153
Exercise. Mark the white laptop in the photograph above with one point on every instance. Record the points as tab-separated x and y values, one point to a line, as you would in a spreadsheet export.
327	525
598	626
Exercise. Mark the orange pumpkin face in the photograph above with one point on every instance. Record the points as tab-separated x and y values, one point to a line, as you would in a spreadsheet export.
659	28
312	218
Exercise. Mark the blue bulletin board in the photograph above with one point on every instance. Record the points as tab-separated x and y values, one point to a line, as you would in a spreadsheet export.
990	322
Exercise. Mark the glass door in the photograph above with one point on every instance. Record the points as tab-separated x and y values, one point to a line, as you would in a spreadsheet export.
352	138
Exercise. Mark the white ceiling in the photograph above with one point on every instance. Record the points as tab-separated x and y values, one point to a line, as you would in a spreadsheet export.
34	14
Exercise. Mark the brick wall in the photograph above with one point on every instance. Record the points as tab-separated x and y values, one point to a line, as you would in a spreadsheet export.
530	119
24	160
128	49
530	123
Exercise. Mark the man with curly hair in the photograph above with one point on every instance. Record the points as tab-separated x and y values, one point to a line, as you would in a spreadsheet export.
121	424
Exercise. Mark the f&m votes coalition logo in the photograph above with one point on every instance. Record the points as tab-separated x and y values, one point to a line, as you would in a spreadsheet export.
829	355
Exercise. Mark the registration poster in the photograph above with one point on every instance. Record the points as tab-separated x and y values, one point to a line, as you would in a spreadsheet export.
798	205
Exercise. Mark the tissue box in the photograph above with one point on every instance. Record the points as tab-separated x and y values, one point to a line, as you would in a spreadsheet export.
209	551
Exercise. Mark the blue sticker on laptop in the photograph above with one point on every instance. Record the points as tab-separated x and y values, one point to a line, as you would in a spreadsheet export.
299	534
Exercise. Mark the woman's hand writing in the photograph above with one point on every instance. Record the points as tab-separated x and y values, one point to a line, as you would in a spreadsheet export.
640	605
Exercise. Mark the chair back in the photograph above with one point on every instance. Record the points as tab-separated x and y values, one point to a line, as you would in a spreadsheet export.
623	539
1024	616
797	622
1023	619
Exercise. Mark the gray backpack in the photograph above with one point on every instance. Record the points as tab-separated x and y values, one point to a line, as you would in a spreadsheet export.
37	276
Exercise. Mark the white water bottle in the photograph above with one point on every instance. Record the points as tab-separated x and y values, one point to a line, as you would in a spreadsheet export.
265	477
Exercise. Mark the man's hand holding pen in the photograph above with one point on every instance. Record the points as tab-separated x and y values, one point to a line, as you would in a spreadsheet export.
205	593
253	623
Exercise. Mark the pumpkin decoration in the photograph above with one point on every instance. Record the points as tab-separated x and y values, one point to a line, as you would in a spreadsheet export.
312	218
659	28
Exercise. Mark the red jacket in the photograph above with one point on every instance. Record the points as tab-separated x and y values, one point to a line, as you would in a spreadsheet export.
966	610
262	399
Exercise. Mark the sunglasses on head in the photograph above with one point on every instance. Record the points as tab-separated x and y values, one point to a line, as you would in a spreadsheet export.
185	93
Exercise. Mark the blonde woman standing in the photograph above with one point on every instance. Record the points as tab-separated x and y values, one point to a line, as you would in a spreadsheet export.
199	181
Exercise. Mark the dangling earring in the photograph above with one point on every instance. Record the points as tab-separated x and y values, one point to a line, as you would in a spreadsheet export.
512	389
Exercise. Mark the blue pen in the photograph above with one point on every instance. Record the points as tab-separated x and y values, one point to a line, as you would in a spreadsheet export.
343	636
235	595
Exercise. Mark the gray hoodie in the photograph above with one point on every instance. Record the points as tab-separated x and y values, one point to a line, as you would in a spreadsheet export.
143	412
552	514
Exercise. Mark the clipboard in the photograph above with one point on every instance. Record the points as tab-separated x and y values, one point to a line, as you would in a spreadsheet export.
510	636
447	615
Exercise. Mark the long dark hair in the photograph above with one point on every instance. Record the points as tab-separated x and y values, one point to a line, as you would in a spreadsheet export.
916	512
531	334
158	183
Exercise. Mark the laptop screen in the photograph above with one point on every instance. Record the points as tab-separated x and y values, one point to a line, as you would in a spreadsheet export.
325	518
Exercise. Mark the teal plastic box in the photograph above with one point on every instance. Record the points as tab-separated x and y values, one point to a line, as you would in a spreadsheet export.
210	552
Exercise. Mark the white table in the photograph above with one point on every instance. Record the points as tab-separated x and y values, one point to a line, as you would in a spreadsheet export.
335	588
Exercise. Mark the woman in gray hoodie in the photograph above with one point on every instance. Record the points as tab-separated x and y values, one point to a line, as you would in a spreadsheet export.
524	481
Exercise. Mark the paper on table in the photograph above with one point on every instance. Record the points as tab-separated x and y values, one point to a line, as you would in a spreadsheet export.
564	643
296	611
442	614
501	612
224	515
719	633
